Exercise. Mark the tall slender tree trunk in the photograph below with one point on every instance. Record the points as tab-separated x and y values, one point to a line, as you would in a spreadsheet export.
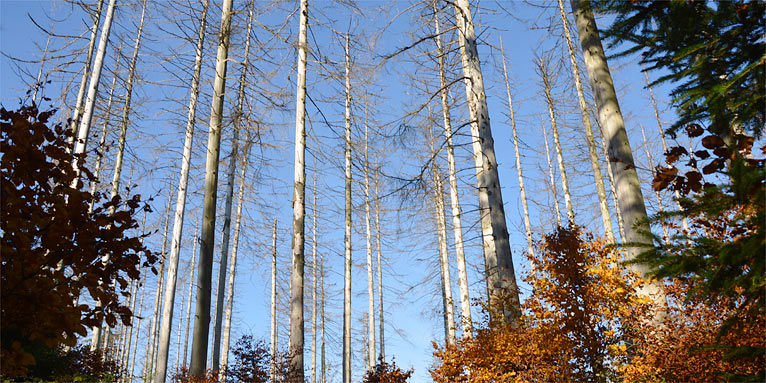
151	352
138	334
178	335
102	139
597	177
552	179
519	172
676	194
95	77
321	307
207	247
189	295
543	67
123	128
446	283
368	242
39	78
465	301
347	234
295	373
501	278
229	196
233	266
629	195
381	325
274	329
178	217
85	71
610	173
314	245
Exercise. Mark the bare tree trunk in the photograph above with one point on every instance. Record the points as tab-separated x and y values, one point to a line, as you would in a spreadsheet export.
229	195
501	278
178	335
315	213
295	373
347	234
123	128
189	300
138	334
381	326
368	237
522	192
550	173
542	66
178	218
465	301
102	140
676	194
207	247
233	266
95	76
151	351
321	287
274	329
629	195
86	72
597	177
446	283
610	173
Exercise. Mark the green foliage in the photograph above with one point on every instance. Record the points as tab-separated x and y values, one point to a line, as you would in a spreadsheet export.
713	51
54	237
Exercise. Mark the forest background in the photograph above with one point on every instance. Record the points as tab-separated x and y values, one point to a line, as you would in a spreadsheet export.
379	28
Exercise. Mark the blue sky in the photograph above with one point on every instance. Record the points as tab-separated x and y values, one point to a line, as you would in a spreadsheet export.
413	308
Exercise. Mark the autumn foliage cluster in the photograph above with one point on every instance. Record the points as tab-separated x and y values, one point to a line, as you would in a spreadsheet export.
55	235
385	372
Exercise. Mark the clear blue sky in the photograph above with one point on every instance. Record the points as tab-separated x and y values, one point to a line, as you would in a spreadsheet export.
413	308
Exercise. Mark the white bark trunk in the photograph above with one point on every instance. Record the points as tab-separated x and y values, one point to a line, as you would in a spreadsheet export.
207	247
465	301
296	350
138	334
368	242
542	66
597	177
347	234
501	278
87	116
102	138
629	195
178	217
620	223
189	295
314	245
233	267
446	283
519	172
321	288
85	71
381	324
550	174
154	334
274	329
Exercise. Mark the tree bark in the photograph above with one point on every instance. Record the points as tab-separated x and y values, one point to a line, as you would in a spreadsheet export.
102	140
347	234
552	179
138	334
233	266
314	245
368	237
597	177
446	283
542	66
629	195
207	247
87	116
465	301
381	326
501	278
274	329
86	71
189	295
178	218
610	173
321	288
295	370
519	172
151	351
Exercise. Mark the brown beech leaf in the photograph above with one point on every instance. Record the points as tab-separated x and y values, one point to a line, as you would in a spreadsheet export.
712	142
694	130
